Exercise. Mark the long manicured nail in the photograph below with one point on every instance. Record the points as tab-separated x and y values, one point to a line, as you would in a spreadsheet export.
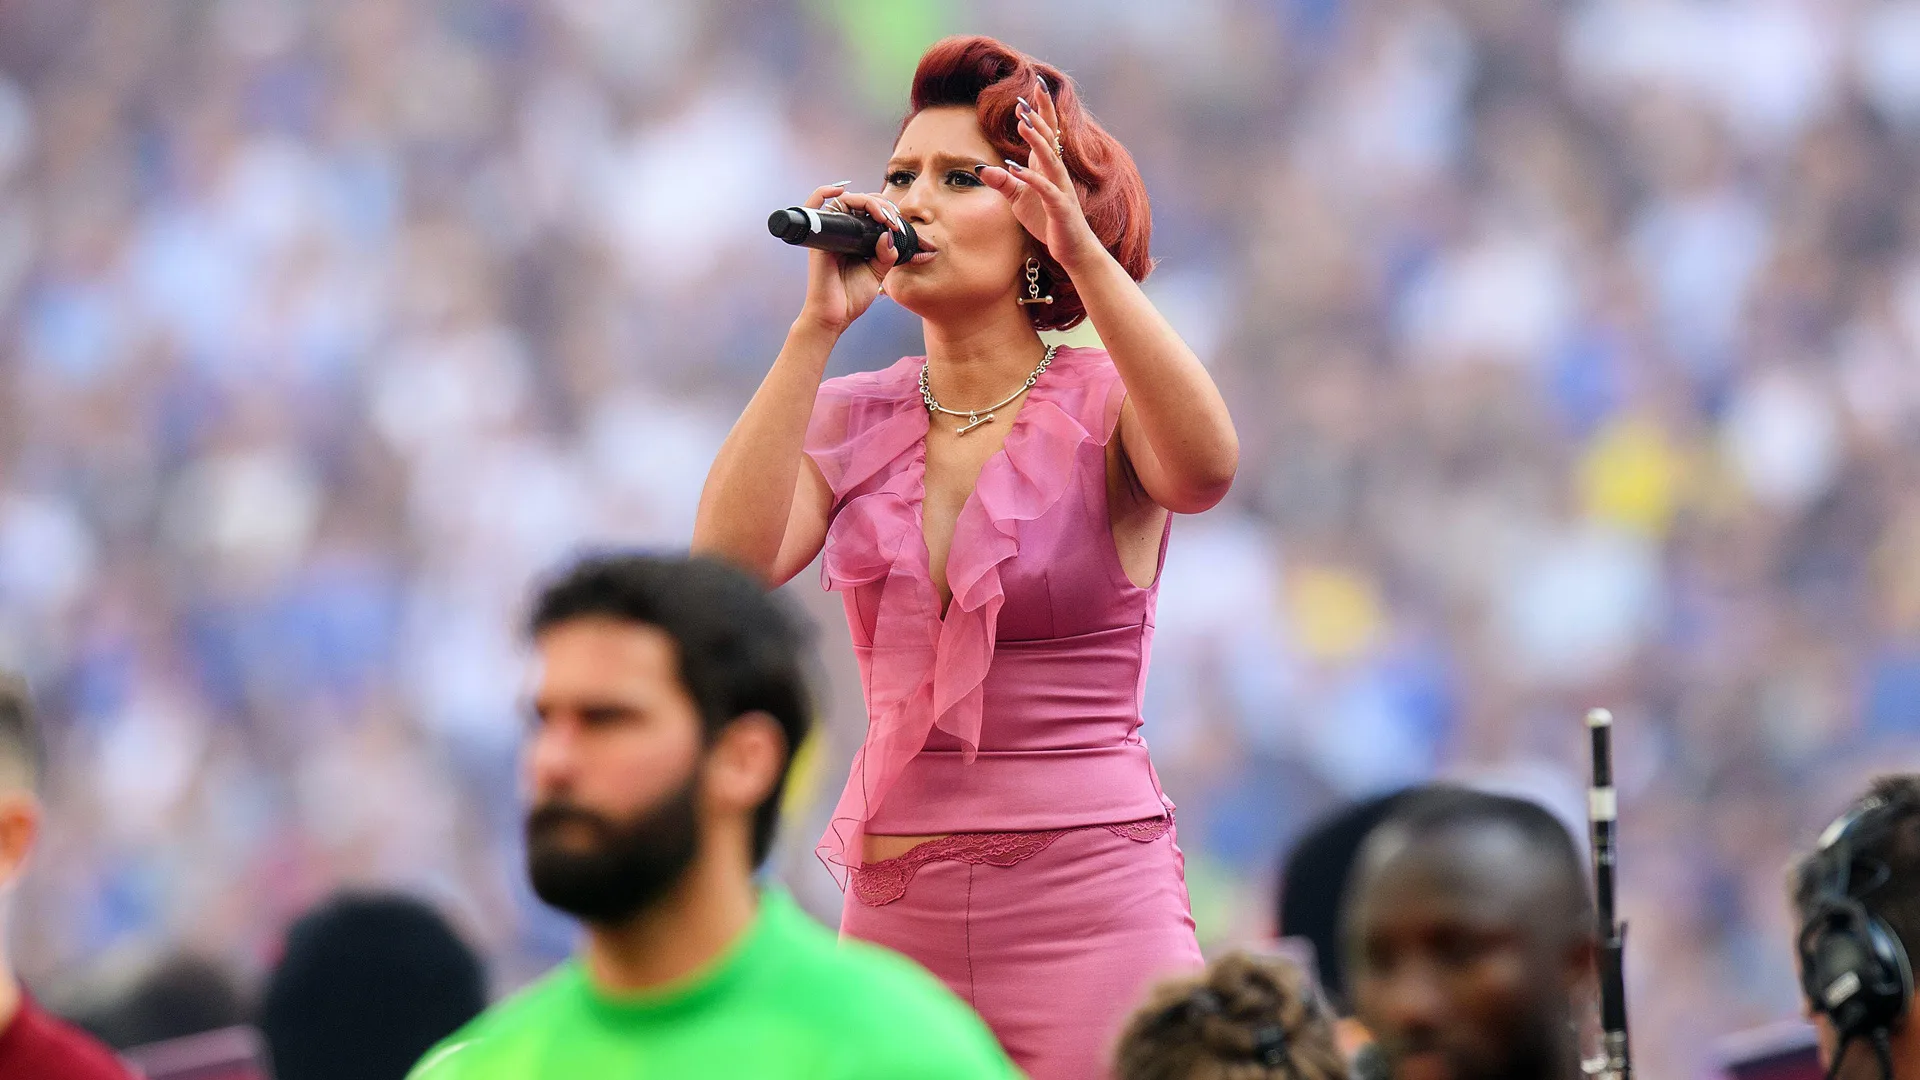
980	167
840	183
1024	107
1012	165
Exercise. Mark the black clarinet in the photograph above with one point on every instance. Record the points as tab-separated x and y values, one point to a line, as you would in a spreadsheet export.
1615	1062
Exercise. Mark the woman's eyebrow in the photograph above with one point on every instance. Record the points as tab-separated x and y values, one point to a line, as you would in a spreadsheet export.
939	158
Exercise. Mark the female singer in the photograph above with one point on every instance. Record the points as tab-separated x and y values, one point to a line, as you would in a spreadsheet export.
995	514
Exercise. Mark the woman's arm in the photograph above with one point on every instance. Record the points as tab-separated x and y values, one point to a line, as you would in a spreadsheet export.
765	505
1175	428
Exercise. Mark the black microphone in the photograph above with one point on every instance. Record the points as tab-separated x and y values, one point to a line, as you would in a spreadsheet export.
855	235
1371	1064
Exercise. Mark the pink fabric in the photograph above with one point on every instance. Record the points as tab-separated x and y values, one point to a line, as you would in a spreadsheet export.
1018	710
1053	952
884	882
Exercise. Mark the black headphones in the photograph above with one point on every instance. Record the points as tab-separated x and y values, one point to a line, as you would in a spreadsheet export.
1853	969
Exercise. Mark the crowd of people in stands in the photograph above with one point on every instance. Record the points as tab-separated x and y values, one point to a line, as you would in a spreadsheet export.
1570	345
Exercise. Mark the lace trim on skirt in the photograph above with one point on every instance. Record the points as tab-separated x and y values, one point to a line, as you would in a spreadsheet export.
877	884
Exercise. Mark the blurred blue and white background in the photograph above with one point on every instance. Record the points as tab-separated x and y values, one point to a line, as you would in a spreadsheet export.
1574	344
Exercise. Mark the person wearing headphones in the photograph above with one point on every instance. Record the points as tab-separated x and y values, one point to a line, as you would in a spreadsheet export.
1857	897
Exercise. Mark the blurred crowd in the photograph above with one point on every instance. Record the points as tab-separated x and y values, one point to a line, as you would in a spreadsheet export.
1572	347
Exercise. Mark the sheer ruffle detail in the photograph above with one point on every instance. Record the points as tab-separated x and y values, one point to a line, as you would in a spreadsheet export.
868	437
881	883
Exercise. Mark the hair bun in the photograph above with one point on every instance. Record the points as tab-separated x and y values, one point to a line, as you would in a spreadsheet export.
1248	1017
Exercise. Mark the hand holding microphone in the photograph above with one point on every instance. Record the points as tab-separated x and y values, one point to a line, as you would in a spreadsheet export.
852	251
854	235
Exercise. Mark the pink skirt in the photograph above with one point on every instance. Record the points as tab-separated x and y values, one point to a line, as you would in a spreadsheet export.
1054	938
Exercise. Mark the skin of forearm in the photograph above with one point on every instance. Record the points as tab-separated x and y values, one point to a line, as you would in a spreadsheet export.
1174	398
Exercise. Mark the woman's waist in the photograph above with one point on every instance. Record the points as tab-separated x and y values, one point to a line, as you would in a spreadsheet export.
900	856
940	791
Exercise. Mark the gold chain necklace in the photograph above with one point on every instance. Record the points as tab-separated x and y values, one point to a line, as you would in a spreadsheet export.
975	417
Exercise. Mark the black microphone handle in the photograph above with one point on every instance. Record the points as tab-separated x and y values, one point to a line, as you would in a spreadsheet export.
1371	1064
854	235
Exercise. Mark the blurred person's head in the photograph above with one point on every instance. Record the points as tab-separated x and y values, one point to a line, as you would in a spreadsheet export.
1244	1018
1313	881
671	695
1470	939
368	983
20	762
961	114
178	995
1857	899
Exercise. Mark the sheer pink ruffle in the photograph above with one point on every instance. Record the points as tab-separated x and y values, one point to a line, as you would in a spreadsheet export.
868	437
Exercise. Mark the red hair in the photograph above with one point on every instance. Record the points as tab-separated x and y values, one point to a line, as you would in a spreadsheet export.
987	75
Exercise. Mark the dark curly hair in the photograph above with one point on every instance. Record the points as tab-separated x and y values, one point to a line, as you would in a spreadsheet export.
1246	1018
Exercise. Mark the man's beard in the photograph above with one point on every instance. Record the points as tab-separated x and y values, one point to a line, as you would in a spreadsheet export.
629	866
1538	1048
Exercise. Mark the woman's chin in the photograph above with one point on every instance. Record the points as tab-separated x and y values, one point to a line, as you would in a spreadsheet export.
910	290
922	293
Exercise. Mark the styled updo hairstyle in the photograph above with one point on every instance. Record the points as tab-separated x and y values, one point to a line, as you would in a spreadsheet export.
987	76
1246	1018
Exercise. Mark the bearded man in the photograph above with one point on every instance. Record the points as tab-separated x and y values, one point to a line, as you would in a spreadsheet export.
669	701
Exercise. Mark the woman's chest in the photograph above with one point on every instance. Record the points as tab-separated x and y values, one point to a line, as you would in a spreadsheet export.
1059	575
951	480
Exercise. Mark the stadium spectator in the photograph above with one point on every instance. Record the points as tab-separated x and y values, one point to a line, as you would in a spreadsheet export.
671	694
33	1044
1571	347
1313	882
1858	901
1245	1018
1470	940
367	985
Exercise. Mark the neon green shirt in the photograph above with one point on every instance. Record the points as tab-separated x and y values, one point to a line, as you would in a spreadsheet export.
787	1000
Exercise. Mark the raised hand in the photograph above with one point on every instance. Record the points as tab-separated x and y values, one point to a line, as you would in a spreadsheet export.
1041	190
840	289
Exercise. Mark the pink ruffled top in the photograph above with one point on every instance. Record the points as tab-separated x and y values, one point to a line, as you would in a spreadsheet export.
1019	710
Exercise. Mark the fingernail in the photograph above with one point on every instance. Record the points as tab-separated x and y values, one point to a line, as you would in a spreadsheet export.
1012	164
1023	104
980	167
1044	88
840	183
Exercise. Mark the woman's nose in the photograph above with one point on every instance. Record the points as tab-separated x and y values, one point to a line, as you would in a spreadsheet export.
913	204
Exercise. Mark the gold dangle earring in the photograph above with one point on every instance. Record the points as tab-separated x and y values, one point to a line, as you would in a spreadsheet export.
1033	285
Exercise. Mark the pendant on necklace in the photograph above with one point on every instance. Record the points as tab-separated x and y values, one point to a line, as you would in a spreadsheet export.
974	421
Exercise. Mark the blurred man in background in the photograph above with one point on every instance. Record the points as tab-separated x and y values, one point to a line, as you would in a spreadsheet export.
670	699
1858	901
1314	875
368	984
1470	940
33	1045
